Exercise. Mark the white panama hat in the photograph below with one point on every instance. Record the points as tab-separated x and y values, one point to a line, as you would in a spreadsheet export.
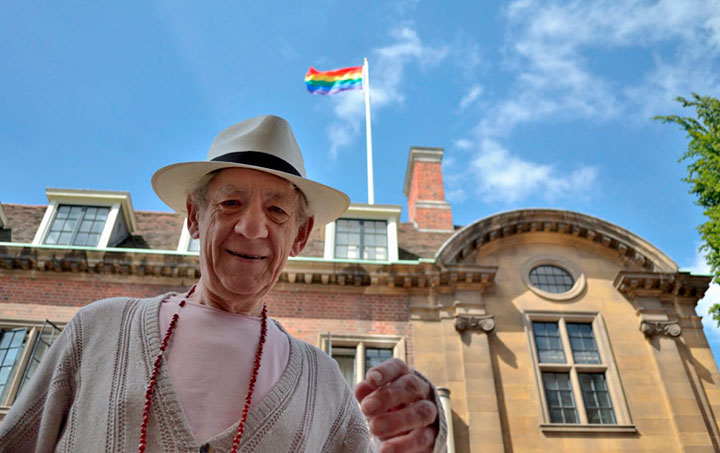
264	143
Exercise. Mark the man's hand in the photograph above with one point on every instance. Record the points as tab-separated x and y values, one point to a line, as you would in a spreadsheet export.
399	408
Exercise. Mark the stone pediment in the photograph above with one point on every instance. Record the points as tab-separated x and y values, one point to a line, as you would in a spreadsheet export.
494	228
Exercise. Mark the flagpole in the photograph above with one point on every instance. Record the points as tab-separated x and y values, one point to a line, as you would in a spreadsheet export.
368	131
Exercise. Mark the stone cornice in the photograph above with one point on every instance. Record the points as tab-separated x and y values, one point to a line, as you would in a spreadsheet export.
153	263
680	284
627	245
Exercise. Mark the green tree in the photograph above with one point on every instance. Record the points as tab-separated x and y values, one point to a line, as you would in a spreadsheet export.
703	173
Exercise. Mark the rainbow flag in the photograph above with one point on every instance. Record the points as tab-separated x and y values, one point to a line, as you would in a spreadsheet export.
335	81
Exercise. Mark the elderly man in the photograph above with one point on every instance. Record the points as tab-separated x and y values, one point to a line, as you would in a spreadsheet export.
207	370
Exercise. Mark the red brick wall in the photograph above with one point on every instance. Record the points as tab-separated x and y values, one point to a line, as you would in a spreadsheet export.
305	314
434	218
427	185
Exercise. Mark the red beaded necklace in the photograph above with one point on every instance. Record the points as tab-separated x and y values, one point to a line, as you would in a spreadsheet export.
156	367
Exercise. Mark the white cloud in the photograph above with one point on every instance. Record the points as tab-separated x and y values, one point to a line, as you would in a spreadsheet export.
387	73
463	144
498	175
549	54
470	97
712	296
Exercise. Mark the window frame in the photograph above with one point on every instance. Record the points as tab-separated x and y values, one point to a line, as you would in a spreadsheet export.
361	343
607	366
570	267
23	361
361	245
388	213
119	203
186	239
76	229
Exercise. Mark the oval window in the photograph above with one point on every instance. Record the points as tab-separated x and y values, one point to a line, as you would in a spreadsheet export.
552	279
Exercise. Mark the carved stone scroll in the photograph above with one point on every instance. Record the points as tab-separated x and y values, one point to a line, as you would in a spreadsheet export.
483	323
669	328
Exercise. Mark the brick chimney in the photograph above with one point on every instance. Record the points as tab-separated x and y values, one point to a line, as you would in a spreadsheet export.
427	207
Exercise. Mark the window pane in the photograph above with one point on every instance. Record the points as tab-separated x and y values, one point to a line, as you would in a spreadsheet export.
345	358
102	214
352	252
47	335
374	357
11	343
582	343
194	245
597	398
77	225
366	239
559	397
81	239
547	341
97	226
551	279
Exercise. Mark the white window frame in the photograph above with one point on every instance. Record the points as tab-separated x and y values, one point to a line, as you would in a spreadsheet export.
118	202
360	343
623	421
185	238
3	217
388	213
23	360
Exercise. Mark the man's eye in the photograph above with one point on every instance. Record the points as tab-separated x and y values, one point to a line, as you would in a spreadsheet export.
278	210
230	203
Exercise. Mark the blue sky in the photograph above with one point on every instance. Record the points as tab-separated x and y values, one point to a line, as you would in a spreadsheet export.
537	103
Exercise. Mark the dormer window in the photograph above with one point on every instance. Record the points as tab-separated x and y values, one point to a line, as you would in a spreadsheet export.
367	232
77	225
358	238
86	218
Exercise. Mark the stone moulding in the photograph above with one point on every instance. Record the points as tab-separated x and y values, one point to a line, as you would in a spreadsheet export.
483	323
629	247
652	328
424	275
680	284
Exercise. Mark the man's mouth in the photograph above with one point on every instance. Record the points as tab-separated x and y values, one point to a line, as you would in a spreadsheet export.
246	256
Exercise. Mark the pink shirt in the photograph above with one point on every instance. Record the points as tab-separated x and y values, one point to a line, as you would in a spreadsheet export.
210	358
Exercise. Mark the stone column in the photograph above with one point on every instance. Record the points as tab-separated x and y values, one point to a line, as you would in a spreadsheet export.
682	403
444	393
484	416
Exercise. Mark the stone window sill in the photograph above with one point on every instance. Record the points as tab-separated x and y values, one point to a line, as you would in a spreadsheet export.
594	428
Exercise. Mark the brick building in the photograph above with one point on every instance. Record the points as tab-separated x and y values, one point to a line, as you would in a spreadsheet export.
547	329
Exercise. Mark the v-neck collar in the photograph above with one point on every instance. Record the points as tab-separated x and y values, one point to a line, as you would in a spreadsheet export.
166	403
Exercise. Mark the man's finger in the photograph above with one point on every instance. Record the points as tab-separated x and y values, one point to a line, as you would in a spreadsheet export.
417	440
404	390
362	390
386	372
416	415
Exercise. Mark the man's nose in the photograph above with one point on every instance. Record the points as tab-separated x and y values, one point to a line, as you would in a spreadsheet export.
251	223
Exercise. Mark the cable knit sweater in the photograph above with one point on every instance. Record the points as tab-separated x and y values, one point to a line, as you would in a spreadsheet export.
88	394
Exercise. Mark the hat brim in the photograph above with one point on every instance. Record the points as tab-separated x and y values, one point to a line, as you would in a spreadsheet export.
173	182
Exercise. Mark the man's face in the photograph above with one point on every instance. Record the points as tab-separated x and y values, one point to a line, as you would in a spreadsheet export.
247	228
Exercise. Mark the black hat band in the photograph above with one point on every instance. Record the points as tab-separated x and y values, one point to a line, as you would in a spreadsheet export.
258	159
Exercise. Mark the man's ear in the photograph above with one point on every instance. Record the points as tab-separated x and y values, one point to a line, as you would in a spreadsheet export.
193	221
302	237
